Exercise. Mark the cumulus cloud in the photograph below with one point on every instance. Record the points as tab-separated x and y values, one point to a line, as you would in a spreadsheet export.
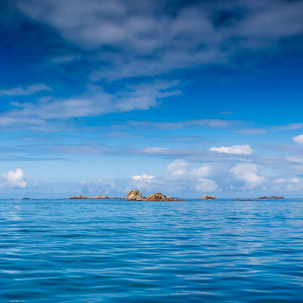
196	179
14	179
298	139
180	168
290	185
248	173
235	149
206	185
143	181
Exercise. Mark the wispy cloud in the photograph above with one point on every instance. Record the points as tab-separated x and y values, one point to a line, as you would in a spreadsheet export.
24	90
94	102
270	128
235	149
172	125
254	131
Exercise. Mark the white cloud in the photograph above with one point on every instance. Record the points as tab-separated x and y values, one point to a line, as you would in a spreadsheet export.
288	185
95	101
247	172
206	185
235	149
183	173
143	181
26	90
200	172
178	168
298	139
143	177
14	179
181	169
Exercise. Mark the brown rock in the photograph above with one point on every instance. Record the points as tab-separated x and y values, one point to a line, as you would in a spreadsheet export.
158	197
134	195
208	197
85	197
270	198
100	197
79	197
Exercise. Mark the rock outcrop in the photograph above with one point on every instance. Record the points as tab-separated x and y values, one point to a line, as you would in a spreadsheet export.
85	197
100	197
270	198
135	195
79	197
208	197
160	197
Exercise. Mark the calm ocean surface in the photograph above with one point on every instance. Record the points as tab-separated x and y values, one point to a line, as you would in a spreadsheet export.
119	251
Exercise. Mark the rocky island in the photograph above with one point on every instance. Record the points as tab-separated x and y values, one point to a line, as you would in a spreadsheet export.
270	198
85	197
208	197
135	195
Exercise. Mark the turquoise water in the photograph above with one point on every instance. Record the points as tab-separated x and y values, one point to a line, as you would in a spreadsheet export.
119	251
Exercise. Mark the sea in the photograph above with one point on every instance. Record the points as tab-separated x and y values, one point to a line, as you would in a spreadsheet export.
121	251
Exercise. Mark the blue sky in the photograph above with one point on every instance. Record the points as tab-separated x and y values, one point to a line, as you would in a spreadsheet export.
183	97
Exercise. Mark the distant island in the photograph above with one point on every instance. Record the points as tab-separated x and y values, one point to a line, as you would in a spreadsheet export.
207	197
270	198
136	195
262	198
96	197
133	195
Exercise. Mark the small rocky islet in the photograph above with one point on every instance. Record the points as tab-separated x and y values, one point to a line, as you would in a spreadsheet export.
86	197
136	195
208	197
133	195
271	198
262	198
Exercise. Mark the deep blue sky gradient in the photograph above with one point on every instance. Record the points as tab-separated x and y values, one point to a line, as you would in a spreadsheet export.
101	98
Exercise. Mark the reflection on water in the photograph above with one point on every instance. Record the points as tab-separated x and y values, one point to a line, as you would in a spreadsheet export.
119	251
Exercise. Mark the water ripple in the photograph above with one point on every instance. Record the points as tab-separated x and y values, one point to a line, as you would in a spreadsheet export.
118	251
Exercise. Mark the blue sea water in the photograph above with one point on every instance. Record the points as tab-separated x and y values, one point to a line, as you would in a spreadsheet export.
120	251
